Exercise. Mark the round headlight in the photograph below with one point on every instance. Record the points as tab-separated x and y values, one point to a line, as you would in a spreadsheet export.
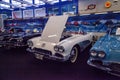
30	43
56	48
101	54
61	49
93	53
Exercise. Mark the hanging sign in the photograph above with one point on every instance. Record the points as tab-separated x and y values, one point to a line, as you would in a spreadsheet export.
16	14
28	13
40	12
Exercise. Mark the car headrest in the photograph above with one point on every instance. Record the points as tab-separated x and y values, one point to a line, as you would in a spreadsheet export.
118	31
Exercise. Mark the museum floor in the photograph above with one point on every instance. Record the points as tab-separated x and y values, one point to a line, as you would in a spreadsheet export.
17	64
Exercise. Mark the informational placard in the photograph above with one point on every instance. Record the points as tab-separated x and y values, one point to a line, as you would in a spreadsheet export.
16	14
98	6
28	13
41	12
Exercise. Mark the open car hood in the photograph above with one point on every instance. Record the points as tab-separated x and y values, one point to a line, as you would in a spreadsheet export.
54	28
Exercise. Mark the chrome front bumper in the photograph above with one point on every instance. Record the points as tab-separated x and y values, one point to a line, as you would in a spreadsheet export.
46	54
110	67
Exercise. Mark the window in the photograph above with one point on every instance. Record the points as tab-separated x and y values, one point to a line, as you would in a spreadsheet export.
71	8
53	11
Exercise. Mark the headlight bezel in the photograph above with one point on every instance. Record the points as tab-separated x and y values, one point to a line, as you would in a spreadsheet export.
97	54
30	43
101	54
56	48
59	49
93	53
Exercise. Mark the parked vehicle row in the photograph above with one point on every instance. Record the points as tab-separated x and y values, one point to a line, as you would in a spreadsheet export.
105	53
57	42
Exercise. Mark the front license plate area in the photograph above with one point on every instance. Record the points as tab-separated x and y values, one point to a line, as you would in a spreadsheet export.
39	56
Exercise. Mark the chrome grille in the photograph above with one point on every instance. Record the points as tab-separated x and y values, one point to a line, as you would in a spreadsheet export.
42	51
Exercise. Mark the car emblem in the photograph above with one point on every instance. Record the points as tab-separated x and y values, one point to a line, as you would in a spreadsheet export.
91	6
43	45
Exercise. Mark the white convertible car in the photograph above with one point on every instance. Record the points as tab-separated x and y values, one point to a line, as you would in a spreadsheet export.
53	44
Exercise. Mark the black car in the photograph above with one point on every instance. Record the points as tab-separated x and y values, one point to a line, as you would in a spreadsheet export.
17	37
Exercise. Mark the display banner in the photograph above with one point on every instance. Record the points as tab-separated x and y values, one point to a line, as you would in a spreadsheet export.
16	14
28	13
41	12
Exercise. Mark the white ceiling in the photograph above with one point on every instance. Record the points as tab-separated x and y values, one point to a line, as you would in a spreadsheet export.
5	4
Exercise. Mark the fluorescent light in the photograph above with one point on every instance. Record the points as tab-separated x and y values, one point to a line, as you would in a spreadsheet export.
7	6
30	1
6	1
39	2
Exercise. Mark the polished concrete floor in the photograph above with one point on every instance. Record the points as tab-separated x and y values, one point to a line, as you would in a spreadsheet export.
17	64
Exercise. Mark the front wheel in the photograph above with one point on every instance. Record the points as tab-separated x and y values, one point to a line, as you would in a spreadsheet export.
74	54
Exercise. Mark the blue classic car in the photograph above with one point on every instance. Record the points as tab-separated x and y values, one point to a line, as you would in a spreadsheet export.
105	53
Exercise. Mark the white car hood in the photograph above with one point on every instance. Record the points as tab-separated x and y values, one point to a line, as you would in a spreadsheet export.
54	28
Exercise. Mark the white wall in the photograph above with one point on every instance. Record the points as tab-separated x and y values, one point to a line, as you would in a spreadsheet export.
83	4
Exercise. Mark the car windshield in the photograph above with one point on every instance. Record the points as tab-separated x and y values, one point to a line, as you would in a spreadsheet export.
16	30
74	30
112	27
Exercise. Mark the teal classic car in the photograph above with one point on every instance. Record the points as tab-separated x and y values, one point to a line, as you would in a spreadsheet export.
105	53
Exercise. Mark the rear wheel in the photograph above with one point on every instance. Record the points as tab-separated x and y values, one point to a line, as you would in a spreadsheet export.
74	54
